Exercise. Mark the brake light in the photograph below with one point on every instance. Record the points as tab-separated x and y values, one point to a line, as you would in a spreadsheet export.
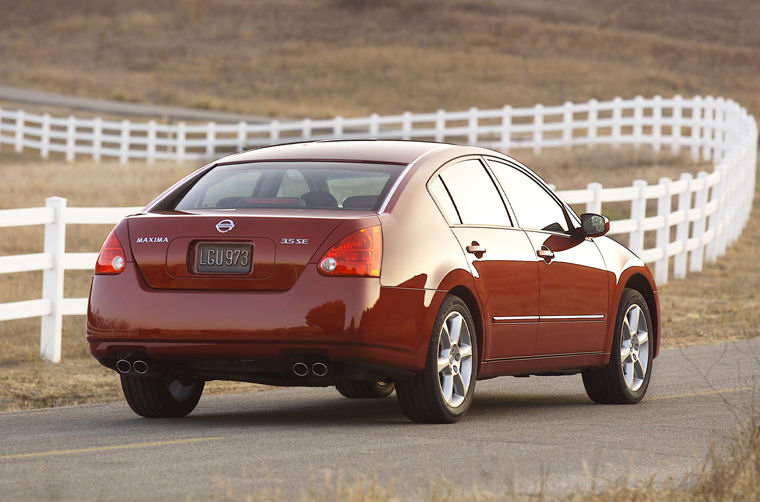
360	253
111	258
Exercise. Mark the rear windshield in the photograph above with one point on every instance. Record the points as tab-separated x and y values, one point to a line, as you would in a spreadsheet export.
303	185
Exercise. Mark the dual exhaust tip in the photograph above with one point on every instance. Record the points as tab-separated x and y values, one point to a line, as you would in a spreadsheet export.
318	369
125	366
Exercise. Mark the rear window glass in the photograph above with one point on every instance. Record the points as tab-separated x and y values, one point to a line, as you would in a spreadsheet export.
303	185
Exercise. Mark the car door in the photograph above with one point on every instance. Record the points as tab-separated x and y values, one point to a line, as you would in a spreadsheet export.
500	255
572	274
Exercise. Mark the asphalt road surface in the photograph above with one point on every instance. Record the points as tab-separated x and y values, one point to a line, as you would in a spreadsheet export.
519	432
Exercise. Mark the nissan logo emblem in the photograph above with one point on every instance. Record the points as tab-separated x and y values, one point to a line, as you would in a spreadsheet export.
225	226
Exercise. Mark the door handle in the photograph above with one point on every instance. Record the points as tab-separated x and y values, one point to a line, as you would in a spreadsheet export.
545	253
476	249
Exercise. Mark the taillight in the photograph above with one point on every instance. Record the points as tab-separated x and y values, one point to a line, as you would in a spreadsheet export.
111	258
360	253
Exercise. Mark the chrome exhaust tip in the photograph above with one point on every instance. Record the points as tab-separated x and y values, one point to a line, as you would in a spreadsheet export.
140	367
300	369
123	366
319	369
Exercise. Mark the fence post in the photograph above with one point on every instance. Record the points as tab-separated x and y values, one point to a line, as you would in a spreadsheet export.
617	117
716	223
338	127
406	126
638	215
682	230
593	114
538	124
274	132
657	123
696	125
708	128
97	138
506	128
180	152
567	124
663	233
695	264
52	281
210	139
306	129
124	151
242	136
472	127
70	138
374	126
19	131
675	132
595	204
151	153
45	139
440	125
638	120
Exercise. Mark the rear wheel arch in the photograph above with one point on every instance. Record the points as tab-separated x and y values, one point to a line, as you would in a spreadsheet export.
468	297
642	285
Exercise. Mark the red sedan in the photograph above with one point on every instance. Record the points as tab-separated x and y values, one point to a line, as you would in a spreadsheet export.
370	266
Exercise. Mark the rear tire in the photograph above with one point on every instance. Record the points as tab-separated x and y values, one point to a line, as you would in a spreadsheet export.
161	397
626	378
442	391
365	390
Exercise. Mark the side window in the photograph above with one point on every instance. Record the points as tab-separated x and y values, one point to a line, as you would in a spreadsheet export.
533	206
476	198
443	199
293	184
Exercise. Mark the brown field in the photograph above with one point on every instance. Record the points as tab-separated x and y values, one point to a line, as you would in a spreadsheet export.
293	58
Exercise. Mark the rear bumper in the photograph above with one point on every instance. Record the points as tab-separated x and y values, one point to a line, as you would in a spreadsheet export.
338	319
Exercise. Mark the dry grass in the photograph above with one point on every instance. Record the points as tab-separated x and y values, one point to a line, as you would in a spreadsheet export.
326	57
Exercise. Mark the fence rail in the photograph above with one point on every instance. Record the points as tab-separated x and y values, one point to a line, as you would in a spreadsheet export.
696	218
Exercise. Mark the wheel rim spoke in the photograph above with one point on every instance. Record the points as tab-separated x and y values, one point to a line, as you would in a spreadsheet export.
443	362
447	386
625	354
455	328
643	338
633	319
465	351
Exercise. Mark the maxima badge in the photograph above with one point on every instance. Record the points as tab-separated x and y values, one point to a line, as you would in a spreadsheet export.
225	226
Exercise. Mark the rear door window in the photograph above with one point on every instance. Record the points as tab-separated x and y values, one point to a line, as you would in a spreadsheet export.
476	198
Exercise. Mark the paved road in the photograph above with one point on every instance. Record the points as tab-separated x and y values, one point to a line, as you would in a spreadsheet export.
120	108
522	429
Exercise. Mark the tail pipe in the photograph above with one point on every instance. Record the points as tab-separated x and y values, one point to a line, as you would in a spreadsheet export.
123	366
300	369
140	367
319	369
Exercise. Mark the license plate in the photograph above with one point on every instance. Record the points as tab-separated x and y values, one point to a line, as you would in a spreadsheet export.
223	258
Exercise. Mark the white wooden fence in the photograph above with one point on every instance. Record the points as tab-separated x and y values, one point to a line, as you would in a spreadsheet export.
695	219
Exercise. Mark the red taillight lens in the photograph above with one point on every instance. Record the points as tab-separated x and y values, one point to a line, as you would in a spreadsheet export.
357	254
111	258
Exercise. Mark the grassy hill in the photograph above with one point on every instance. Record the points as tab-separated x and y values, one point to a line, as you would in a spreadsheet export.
324	57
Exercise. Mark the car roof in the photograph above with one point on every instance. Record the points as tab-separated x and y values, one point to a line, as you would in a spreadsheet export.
395	152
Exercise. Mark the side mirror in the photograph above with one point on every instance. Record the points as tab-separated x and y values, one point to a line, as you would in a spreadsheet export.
594	225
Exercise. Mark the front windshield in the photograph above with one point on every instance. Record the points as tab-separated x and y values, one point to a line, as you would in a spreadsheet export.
304	185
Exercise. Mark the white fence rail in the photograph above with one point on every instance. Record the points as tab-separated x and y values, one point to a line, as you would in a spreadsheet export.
695	219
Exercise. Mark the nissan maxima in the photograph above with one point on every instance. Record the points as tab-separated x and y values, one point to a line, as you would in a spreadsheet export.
371	266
